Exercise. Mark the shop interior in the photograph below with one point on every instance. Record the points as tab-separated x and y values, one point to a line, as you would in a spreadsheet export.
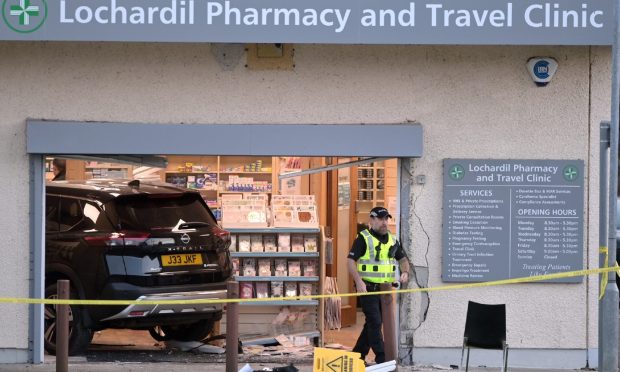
246	194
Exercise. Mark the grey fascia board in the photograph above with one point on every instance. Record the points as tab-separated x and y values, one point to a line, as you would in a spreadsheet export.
101	138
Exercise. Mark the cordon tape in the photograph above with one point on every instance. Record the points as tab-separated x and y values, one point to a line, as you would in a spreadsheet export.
529	279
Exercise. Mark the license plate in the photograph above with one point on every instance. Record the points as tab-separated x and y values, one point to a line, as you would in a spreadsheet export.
181	259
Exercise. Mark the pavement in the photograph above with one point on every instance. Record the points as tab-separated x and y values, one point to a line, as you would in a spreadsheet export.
136	351
212	367
117	362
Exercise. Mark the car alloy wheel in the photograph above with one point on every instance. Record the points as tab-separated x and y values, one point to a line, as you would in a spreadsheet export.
50	321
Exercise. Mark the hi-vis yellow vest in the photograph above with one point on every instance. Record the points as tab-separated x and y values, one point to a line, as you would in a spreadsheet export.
375	269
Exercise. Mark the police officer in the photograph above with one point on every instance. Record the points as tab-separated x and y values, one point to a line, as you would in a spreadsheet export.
372	261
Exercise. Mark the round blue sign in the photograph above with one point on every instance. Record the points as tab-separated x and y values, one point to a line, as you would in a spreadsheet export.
541	69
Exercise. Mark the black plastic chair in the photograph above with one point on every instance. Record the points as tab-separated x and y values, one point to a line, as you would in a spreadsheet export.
485	328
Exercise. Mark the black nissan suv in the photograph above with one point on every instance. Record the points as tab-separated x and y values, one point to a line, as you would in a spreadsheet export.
131	240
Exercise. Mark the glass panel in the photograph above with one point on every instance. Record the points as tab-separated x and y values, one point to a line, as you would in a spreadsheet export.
145	213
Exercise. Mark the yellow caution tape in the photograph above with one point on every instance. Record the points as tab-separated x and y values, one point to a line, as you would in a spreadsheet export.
536	278
604	278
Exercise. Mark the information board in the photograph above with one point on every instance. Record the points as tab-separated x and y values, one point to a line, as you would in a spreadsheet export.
511	218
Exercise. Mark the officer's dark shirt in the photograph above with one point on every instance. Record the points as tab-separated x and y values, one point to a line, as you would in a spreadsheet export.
359	246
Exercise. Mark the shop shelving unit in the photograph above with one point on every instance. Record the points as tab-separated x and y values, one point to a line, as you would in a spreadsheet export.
221	169
255	318
370	188
107	170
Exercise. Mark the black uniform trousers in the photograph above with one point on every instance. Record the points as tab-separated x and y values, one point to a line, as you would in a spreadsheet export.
371	336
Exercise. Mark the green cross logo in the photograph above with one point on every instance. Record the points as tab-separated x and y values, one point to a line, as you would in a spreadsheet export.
457	172
570	173
24	16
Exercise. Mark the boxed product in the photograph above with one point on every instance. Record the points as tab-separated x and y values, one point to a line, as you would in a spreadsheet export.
277	289
294	268
249	267
262	290
246	290
306	214
294	211
269	243
244	213
290	289
310	243
305	289
191	182
233	242
235	266
309	267
282	215
297	243
256	243
284	242
264	267
244	243
177	180
280	267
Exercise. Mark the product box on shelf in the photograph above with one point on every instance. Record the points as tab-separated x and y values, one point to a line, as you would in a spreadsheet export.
294	268
256	243
269	243
246	290
249	267
262	290
207	181
306	289
277	289
235	266
294	211
264	267
297	243
244	243
309	267
244	213
177	180
257	196
290	289
310	243
284	242
280	266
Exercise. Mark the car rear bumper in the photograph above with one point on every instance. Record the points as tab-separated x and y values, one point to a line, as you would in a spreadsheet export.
137	311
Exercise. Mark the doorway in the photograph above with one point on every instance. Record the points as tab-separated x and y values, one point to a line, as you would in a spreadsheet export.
110	139
354	191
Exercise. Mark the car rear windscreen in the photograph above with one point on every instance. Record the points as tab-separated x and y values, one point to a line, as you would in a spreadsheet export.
148	212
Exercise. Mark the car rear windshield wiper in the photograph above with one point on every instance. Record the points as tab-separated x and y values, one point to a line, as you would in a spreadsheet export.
193	225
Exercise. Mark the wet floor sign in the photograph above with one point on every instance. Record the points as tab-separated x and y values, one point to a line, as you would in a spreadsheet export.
329	360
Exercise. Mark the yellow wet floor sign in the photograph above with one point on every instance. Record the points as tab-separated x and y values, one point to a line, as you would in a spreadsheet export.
330	360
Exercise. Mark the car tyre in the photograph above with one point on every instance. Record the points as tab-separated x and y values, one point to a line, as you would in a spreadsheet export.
186	332
79	335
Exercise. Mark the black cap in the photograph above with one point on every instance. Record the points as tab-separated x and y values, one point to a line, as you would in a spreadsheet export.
380	212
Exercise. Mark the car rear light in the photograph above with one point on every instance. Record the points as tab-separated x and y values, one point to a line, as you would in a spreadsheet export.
118	239
222	234
138	313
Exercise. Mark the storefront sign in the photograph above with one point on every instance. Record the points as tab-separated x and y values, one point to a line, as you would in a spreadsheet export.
531	22
511	218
